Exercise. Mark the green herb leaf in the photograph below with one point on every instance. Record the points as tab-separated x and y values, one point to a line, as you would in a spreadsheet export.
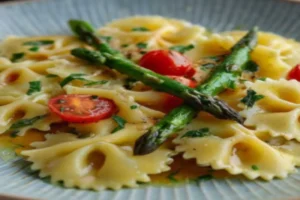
106	39
51	76
129	83
34	86
204	178
34	49
182	49
17	56
72	77
262	78
171	176
133	107
120	121
38	43
197	133
14	133
251	98
25	122
142	45
255	167
124	45
251	66
96	82
140	29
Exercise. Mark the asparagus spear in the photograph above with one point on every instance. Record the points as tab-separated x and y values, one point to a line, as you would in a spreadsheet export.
113	59
222	78
191	96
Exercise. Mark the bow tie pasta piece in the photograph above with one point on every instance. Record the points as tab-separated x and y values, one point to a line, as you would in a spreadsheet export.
22	110
54	139
279	95
45	47
290	147
278	112
234	148
155	32
98	165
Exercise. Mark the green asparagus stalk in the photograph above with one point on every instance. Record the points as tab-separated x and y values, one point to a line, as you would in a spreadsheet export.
224	76
113	59
159	82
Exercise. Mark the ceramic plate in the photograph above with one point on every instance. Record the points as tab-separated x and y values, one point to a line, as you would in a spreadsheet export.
50	17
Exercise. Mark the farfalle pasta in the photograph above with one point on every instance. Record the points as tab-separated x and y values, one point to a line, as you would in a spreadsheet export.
83	120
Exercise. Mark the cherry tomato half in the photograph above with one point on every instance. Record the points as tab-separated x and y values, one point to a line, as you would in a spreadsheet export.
294	73
171	101
168	63
77	108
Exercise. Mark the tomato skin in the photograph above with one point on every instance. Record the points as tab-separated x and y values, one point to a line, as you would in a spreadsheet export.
167	62
77	108
171	101
294	73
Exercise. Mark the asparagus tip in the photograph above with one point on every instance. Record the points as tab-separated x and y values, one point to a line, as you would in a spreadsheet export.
77	26
144	146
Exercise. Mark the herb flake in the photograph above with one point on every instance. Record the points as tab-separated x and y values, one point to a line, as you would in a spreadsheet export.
25	122
106	39
141	45
133	107
38	43
17	56
254	167
142	29
207	66
197	133
182	48
120	121
204	178
171	176
70	78
34	86
251	97
51	76
34	48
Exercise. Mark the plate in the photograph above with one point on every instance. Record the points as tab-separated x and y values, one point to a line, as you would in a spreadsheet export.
50	17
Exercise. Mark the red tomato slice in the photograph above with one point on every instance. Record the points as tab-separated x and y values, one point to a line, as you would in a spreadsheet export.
77	108
294	73
168	63
171	101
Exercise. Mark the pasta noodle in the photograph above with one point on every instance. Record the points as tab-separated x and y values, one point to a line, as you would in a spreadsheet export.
99	155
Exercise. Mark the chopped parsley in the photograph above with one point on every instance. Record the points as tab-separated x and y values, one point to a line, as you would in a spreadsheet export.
171	176
70	78
251	66
140	29
251	98
120	121
61	109
141	45
96	82
255	167
51	76
197	133
133	107
38	43
34	86
17	56
182	49
25	122
129	83
107	39
94	97
124	45
14	133
34	48
262	79
204	178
